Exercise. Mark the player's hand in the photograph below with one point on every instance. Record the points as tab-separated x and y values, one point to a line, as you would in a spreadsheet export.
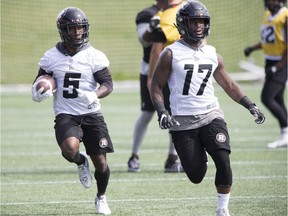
165	120
40	95
154	24
247	51
89	98
255	111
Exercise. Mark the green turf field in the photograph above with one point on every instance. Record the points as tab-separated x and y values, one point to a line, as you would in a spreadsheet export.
36	180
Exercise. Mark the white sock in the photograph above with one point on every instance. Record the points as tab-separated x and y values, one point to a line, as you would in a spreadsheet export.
140	130
284	131
223	200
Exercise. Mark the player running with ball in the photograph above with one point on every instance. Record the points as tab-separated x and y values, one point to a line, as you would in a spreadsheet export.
82	78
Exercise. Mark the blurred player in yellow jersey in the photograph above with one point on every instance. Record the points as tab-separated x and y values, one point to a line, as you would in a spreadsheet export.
164	35
274	45
147	23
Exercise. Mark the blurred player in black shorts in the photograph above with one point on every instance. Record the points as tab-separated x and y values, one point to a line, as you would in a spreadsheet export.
274	45
147	24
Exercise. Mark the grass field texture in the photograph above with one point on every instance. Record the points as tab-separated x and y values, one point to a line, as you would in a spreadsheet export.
36	180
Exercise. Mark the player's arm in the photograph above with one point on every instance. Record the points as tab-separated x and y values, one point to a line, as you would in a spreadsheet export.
283	62
158	45
104	78
40	73
248	50
234	91
39	95
157	48
161	74
226	82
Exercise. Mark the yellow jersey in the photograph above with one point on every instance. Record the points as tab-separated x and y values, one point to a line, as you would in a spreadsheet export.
273	39
167	21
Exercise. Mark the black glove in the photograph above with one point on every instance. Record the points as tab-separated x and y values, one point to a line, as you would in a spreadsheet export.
165	120
154	24
255	111
248	51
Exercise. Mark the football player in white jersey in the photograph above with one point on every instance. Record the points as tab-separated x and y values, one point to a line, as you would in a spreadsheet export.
197	123
82	78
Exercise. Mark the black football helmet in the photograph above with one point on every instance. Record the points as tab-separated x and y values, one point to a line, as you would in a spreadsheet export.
275	6
192	10
69	17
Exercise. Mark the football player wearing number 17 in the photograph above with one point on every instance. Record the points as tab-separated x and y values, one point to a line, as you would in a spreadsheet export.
197	122
82	78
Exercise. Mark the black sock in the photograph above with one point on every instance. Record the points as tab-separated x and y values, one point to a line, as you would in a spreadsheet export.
79	158
102	181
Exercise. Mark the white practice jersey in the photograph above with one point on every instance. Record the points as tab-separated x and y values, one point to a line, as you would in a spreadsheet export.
71	73
190	82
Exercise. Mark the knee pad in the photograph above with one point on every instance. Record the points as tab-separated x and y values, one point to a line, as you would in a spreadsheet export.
223	176
196	176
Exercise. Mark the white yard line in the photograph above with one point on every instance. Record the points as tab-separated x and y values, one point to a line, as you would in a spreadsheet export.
129	180
178	199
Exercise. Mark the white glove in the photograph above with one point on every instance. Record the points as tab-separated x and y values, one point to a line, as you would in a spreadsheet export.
89	98
39	96
154	24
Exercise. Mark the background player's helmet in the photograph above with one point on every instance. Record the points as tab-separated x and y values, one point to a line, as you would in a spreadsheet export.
69	17
192	10
281	3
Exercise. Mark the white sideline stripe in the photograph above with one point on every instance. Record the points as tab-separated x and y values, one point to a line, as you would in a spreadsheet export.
119	165
144	200
138	180
128	151
118	85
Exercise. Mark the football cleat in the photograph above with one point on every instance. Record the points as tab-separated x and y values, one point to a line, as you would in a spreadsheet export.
102	205
281	142
174	167
84	173
222	212
134	164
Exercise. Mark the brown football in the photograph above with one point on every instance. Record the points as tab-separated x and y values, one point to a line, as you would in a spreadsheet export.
47	82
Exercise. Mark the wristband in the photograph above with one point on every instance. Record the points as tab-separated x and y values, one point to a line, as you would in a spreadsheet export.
246	102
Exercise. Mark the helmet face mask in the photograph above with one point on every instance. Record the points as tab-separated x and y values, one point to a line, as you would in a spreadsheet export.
73	27
193	21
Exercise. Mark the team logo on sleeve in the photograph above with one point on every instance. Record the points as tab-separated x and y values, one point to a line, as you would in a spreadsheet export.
103	143
220	137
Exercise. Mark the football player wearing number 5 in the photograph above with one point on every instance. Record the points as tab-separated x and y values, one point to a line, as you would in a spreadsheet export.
82	78
197	122
273	42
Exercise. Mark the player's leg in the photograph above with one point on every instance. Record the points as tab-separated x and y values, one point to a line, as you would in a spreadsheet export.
223	180
272	97
139	133
217	143
97	142
191	153
68	135
141	125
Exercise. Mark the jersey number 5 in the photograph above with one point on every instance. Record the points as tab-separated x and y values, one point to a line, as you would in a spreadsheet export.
71	81
189	74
